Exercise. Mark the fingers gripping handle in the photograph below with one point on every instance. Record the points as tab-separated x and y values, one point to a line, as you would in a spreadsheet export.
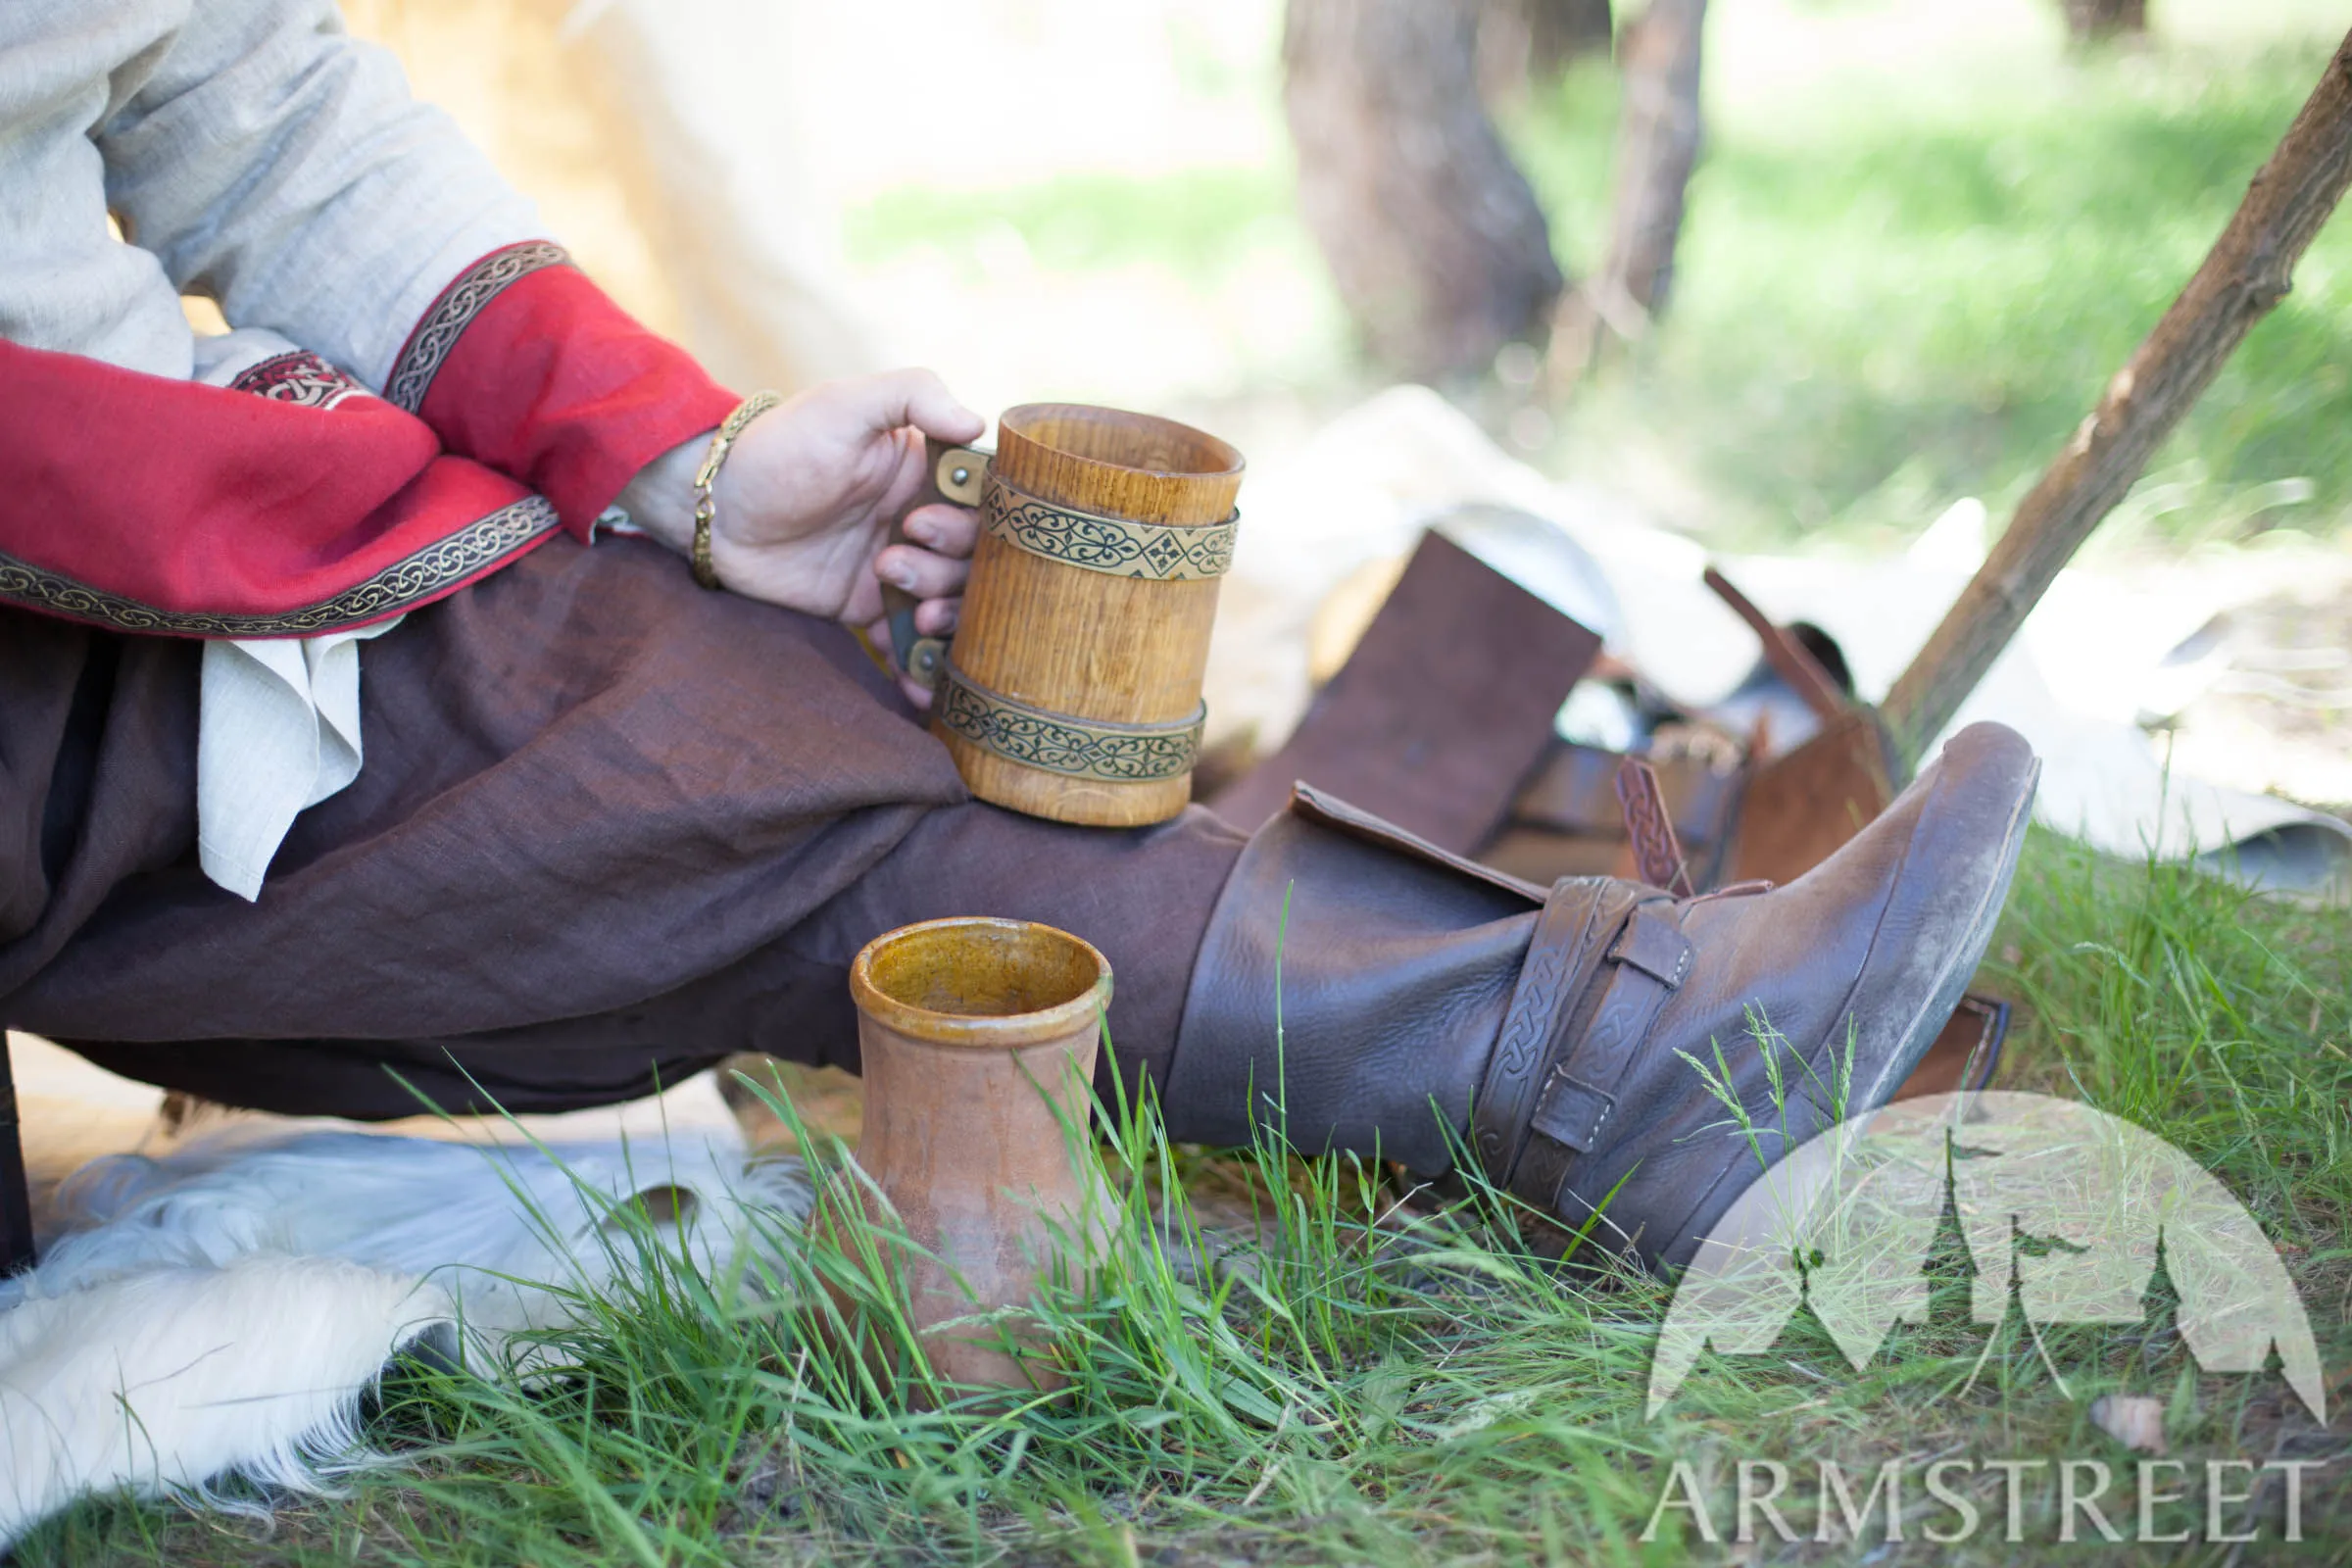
952	474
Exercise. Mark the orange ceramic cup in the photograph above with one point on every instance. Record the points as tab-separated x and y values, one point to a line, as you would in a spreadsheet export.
979	1039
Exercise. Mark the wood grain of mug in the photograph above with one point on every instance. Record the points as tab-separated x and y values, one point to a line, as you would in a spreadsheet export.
1072	691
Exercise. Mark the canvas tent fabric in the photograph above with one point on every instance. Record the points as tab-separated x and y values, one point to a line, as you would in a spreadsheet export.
662	139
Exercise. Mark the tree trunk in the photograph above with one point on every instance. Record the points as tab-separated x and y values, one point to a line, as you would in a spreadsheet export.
2248	271
1657	143
1432	233
2092	20
1562	30
1524	44
1657	146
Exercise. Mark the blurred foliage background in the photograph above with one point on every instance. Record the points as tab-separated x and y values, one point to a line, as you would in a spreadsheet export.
1919	239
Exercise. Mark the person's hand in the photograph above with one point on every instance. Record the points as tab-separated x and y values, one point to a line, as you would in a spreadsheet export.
806	499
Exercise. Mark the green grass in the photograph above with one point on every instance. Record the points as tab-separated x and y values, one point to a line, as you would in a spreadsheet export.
1354	1383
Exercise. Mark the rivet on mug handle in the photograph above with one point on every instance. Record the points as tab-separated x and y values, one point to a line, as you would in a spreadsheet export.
954	477
958	471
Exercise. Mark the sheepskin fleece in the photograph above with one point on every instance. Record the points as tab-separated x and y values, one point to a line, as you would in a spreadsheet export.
220	1312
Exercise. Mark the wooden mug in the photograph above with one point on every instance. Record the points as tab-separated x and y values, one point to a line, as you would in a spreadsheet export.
978	1038
1073	687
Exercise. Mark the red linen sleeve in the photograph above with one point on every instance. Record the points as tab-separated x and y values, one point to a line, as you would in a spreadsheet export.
147	504
525	366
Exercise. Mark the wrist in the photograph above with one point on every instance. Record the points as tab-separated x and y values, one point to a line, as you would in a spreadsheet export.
700	553
660	498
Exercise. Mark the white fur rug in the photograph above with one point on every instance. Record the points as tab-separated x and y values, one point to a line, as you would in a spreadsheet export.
220	1311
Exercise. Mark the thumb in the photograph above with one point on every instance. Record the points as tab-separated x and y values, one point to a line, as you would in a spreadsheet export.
919	397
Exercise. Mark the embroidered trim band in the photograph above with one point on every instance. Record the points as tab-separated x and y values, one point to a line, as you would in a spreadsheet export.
419	359
299	377
465	554
1113	546
1075	747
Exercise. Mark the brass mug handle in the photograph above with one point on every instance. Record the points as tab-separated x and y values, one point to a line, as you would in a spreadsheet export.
955	477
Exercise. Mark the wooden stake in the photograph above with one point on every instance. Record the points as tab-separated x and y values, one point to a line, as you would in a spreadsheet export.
2247	271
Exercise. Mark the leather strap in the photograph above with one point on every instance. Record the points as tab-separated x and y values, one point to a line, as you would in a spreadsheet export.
1328	810
1658	857
1789	659
1645	963
1550	978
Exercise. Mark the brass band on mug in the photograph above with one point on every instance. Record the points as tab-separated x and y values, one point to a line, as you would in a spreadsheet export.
1075	747
1114	546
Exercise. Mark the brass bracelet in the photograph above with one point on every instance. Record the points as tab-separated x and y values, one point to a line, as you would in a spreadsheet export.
705	511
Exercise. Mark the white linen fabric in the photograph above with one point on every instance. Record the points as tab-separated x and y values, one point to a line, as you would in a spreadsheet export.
254	152
278	717
279	731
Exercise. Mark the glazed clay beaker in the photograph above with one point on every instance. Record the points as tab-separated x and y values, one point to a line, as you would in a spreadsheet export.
979	1037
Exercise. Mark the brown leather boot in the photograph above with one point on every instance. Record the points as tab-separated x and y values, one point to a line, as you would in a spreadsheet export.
1427	1002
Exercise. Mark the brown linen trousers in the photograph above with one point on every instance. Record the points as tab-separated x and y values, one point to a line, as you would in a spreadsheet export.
610	828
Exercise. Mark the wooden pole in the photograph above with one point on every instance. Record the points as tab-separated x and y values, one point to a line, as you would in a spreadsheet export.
2247	271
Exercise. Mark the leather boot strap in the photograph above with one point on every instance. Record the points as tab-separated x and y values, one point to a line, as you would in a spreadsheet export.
1644	964
1604	961
1553	975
